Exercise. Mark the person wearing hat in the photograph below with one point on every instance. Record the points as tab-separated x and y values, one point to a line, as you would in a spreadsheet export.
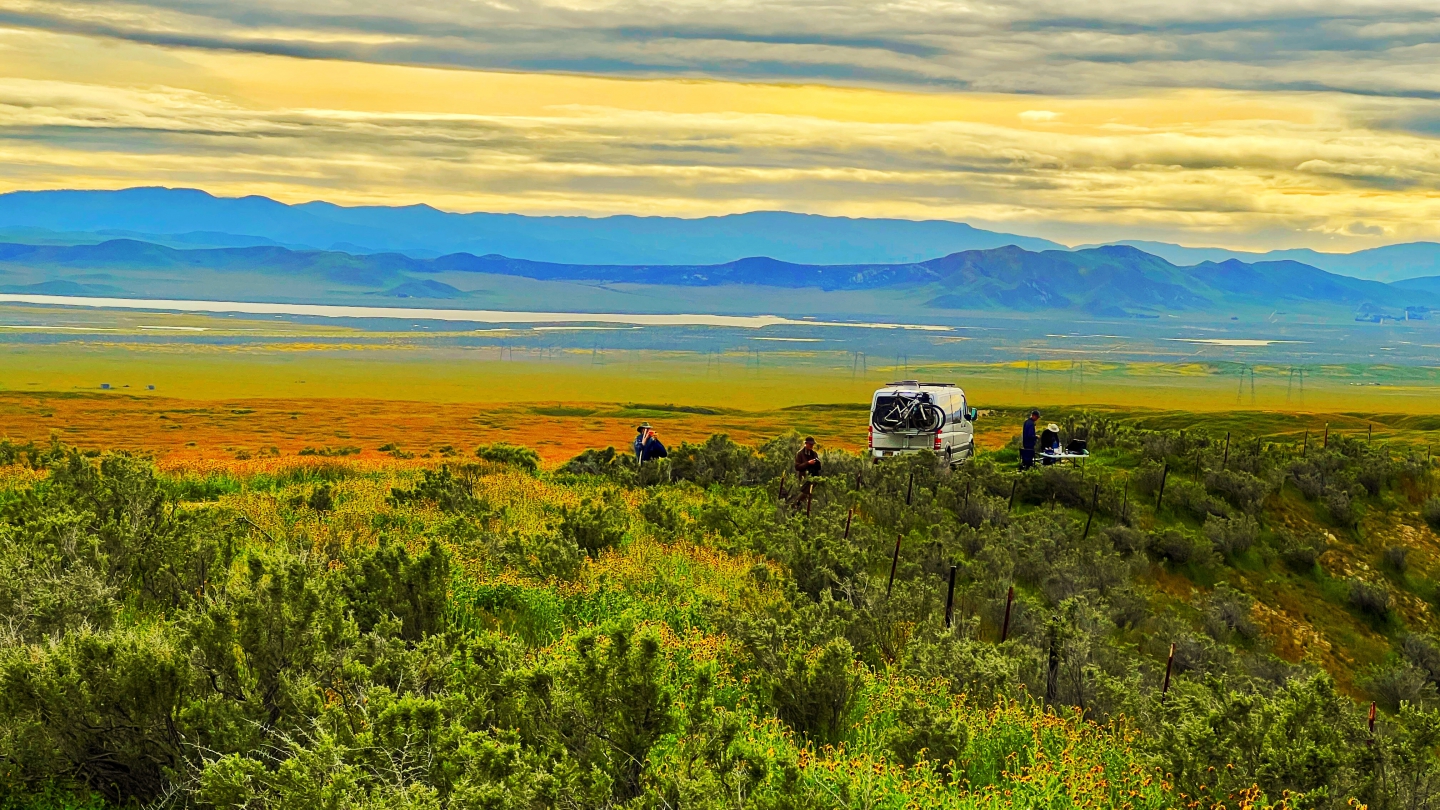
652	449
1050	443
807	461
641	434
1028	440
807	465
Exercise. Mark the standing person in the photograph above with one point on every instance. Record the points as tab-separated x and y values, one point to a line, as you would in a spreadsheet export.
653	449
1028	441
807	461
807	466
641	434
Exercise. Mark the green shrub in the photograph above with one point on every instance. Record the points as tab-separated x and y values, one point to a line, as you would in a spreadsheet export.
1231	536
1397	558
1423	652
718	460
330	452
1430	511
1340	506
1300	552
1397	684
387	581
607	463
522	458
1370	598
922	731
596	524
1179	546
818	690
1125	539
1243	490
448	492
1227	612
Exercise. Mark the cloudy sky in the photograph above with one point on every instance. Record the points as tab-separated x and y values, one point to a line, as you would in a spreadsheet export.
1267	123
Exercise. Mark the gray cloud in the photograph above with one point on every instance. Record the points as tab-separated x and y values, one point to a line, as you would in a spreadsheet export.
1027	46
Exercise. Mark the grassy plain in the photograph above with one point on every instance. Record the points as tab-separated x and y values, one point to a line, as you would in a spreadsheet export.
259	430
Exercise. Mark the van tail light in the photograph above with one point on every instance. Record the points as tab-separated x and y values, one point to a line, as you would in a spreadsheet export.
871	444
937	439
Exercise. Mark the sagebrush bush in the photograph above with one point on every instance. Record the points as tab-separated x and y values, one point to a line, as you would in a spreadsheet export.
1244	491
522	458
1430	511
1423	652
817	691
1371	598
1231	536
441	487
1397	684
1300	552
1340	506
1178	546
1396	557
1125	539
607	463
596	524
1227	611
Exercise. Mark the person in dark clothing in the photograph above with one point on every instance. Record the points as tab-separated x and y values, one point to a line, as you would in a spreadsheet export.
1028	441
807	465
653	449
807	461
641	434
1050	444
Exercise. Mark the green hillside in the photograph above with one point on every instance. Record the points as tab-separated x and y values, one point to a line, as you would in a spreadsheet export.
696	633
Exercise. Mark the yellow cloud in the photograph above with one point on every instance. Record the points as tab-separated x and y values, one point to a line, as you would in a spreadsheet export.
1195	166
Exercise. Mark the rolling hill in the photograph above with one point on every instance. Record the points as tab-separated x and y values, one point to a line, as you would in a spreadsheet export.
1110	281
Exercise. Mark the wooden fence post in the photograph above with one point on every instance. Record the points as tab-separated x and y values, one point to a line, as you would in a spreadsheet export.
1305	444
950	598
1225	462
1013	484
1052	670
849	516
1005	628
1327	435
910	488
1094	501
1169	666
894	561
1164	473
1125	503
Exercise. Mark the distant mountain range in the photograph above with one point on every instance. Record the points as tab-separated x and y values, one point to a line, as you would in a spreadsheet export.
187	218
1389	263
191	218
1110	281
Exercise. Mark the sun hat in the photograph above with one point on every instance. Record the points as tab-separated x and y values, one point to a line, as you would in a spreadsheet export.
1053	426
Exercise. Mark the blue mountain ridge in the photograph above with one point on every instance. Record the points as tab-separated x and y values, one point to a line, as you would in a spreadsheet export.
175	215
1117	281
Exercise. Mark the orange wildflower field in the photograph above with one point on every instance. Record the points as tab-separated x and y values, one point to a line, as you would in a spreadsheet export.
197	434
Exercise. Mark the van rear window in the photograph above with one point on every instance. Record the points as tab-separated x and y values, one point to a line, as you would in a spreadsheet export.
896	413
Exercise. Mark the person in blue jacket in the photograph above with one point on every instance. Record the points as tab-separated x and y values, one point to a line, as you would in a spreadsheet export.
652	449
1028	441
641	433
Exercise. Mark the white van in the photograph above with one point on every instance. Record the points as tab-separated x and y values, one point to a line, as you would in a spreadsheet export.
910	416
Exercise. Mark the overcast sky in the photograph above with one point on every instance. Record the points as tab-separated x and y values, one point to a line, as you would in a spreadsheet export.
1254	124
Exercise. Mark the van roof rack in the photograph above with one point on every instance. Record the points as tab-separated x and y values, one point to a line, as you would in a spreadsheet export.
918	384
